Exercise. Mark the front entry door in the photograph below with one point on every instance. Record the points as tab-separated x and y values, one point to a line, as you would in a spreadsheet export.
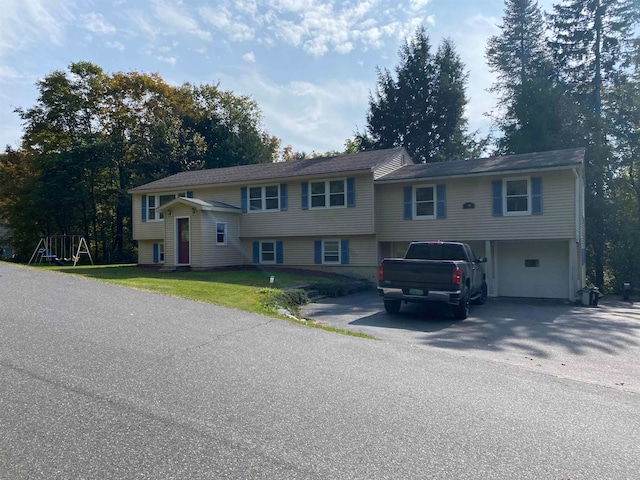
183	241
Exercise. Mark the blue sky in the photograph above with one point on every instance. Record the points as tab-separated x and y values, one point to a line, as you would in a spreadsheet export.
310	65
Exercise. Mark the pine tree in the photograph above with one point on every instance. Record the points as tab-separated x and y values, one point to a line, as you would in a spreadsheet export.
422	107
591	43
534	110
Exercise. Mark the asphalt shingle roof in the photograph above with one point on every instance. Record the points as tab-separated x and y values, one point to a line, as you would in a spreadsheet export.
266	171
478	166
367	161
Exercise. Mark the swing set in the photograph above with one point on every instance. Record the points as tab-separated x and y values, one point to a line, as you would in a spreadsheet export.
60	249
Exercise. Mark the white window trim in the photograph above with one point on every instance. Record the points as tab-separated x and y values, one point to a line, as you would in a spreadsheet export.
414	202
263	199
504	197
324	252
160	252
225	233
268	262
327	194
156	198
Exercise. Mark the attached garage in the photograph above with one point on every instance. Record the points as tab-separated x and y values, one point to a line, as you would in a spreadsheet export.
533	269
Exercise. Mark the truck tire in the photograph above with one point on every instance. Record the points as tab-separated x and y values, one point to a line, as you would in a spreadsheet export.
482	298
392	306
461	311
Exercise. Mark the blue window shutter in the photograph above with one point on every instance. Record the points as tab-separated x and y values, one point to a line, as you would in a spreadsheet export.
279	252
305	195
243	199
536	195
497	197
408	203
156	253
144	208
283	197
256	252
344	252
351	192
189	194
441	198
317	251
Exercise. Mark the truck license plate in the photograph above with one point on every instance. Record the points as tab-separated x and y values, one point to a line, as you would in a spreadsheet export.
416	291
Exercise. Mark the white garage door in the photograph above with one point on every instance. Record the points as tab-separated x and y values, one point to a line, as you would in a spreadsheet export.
533	269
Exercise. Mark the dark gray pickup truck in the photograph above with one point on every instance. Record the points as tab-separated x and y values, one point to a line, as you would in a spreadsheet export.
446	272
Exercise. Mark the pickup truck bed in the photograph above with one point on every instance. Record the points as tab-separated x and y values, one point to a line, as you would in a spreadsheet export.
456	281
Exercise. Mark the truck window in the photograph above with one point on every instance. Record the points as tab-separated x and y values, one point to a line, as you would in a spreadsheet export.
434	251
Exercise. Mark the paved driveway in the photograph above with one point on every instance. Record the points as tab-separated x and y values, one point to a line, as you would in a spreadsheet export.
592	344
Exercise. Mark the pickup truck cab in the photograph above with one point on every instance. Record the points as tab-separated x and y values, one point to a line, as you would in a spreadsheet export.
446	272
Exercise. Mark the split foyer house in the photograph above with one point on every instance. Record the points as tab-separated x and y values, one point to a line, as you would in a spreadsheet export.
343	214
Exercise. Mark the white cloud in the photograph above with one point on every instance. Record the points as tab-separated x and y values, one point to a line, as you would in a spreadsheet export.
249	57
95	22
178	20
169	60
8	74
115	45
24	22
222	19
319	116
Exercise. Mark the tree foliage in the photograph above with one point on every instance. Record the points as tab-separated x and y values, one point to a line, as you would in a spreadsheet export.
421	107
534	112
91	136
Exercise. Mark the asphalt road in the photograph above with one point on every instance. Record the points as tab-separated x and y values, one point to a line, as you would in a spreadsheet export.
99	381
597	345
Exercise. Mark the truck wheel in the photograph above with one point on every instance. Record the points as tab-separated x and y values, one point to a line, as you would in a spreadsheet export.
482	299
392	306
461	311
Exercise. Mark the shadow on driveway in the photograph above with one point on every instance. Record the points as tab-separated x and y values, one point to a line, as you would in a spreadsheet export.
594	340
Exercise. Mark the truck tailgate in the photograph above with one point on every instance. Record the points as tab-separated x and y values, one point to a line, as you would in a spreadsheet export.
424	274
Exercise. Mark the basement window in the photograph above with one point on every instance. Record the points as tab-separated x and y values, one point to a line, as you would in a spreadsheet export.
532	263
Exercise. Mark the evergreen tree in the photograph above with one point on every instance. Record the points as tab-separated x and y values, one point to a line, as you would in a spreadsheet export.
591	41
422	107
534	109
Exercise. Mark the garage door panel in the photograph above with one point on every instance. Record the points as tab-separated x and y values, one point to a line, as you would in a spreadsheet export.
533	269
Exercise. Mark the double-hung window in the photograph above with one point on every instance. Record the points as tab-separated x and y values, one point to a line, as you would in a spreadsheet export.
330	193
156	201
516	198
425	202
221	233
331	251
158	252
267	252
264	198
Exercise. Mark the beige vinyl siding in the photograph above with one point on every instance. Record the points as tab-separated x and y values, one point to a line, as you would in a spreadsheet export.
557	220
195	237
214	255
144	230
170	242
145	252
396	162
294	221
299	252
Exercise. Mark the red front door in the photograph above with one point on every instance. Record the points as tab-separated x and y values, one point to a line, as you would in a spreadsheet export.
183	241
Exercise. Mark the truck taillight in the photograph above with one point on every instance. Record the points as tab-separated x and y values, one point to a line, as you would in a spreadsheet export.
380	273
456	276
